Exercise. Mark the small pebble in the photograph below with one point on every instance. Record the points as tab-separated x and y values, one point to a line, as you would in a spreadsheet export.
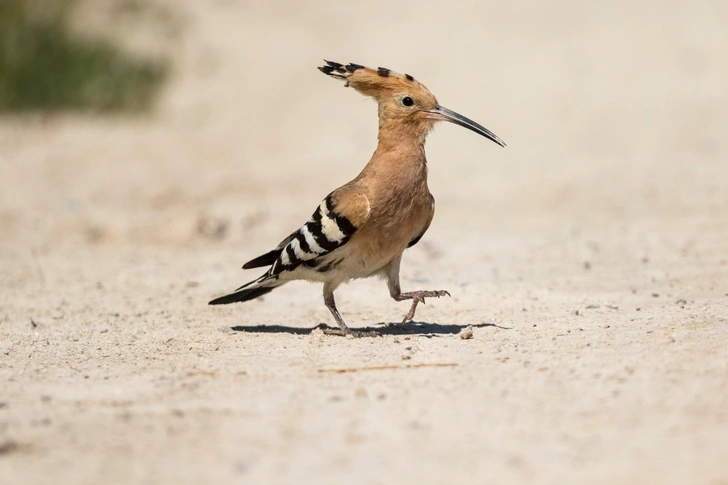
466	333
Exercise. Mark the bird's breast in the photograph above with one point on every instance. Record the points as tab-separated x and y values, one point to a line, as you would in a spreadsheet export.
393	224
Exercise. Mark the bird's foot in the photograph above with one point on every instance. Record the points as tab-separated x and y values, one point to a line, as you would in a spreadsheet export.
417	297
346	331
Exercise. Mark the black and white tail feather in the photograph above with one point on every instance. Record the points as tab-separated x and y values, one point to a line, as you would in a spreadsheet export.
312	248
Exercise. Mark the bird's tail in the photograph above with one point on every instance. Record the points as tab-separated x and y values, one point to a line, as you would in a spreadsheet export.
263	285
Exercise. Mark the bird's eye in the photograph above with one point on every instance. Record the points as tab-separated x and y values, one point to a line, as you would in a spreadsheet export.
407	101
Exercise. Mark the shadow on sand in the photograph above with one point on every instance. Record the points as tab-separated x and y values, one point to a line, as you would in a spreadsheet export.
410	328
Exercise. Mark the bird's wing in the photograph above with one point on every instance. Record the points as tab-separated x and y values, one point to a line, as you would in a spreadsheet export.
427	226
331	226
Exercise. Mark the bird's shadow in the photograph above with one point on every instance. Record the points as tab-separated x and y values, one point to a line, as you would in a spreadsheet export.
410	328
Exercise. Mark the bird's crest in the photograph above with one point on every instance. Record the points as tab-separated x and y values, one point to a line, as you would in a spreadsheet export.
370	81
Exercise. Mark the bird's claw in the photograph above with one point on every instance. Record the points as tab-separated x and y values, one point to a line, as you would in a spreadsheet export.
419	296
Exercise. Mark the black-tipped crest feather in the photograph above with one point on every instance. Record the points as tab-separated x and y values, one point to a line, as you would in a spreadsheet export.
338	70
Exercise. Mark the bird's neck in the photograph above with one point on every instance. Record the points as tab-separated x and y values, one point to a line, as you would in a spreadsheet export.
400	156
404	140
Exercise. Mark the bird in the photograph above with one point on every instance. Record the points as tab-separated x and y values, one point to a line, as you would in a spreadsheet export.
363	228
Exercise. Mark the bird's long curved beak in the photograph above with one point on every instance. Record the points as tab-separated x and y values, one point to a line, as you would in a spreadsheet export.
440	113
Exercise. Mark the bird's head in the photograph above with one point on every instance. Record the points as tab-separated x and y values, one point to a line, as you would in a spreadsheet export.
402	100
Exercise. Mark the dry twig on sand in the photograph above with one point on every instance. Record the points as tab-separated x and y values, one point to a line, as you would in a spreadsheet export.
382	367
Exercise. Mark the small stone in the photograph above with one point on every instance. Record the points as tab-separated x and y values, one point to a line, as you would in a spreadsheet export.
406	357
466	333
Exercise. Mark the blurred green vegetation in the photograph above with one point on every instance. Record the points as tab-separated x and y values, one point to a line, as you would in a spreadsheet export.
45	67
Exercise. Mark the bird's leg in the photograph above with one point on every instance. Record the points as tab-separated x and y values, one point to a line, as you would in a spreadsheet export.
416	296
344	330
331	305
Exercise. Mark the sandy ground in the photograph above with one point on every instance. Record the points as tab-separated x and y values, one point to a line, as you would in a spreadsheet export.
590	257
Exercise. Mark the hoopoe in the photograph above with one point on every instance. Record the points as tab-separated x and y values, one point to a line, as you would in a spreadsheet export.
362	228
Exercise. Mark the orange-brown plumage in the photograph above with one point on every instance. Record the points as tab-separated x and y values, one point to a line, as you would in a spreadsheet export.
362	228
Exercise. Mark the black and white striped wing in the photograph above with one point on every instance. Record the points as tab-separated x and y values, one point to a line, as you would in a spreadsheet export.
327	230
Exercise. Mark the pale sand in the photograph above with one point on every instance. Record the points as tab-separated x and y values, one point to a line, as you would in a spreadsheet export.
590	256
